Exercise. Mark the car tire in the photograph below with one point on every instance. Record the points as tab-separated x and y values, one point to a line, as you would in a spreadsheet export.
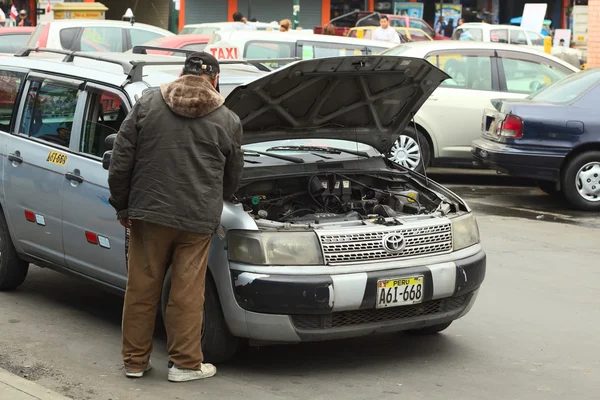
218	344
402	152
13	270
581	177
430	330
549	188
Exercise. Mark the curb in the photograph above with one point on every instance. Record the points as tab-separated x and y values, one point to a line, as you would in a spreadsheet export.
16	388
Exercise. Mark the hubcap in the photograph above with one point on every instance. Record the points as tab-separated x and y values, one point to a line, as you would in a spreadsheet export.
406	152
587	181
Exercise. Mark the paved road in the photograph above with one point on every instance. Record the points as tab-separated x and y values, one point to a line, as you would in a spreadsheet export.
532	335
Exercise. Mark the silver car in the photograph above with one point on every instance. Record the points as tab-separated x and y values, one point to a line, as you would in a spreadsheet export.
325	239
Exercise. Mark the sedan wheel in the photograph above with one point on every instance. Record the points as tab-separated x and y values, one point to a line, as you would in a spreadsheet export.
407	153
581	181
588	181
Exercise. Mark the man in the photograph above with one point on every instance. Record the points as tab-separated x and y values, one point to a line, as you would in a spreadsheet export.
240	23
22	19
440	25
460	22
176	158
385	32
561	42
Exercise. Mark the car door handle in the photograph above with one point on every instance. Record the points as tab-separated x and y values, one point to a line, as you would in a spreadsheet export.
74	177
15	158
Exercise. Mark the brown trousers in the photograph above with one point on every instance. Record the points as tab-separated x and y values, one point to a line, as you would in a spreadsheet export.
151	247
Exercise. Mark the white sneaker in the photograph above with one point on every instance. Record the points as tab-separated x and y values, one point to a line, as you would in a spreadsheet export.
139	374
184	375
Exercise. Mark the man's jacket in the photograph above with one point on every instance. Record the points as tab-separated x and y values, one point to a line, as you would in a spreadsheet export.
176	157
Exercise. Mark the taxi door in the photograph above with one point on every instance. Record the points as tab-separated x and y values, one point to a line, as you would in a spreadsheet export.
35	167
94	241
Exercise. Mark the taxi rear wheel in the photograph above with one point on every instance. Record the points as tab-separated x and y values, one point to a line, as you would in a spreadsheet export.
218	344
430	330
13	270
411	150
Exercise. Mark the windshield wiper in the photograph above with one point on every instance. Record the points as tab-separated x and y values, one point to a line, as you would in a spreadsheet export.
330	150
295	160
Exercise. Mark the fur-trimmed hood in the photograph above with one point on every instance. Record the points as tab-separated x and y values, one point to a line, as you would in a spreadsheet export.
191	96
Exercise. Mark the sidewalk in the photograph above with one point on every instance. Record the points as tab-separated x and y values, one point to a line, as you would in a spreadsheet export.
13	387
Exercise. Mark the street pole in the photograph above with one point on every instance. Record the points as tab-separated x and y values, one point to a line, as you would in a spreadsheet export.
249	10
296	15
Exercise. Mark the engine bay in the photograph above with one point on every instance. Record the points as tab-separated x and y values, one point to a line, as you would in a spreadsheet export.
334	198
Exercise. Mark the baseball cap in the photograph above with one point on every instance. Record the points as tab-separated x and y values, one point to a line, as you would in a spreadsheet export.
202	62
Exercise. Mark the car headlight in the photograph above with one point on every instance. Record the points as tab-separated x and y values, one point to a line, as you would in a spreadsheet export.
274	248
465	231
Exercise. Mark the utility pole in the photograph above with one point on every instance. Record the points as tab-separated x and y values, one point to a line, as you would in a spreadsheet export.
296	15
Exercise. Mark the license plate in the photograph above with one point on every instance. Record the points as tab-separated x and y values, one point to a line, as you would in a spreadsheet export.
400	291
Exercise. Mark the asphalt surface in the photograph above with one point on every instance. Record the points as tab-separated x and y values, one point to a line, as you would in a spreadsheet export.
533	333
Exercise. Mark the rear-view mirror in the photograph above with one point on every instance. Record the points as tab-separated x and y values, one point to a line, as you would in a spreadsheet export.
110	141
106	159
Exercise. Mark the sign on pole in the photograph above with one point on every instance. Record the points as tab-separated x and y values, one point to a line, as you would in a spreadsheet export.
533	16
296	15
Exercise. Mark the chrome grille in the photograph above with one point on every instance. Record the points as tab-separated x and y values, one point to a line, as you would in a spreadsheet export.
374	316
368	246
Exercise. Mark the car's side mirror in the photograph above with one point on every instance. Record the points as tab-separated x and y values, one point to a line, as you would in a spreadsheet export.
106	159
110	141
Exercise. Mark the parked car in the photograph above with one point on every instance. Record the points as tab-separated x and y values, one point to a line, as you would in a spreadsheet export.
93	35
345	22
480	32
290	46
552	136
406	34
14	39
184	42
364	246
212	27
450	119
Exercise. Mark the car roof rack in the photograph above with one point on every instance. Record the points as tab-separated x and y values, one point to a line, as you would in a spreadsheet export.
133	68
258	63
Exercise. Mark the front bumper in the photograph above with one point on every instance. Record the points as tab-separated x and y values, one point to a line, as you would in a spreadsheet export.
533	163
323	307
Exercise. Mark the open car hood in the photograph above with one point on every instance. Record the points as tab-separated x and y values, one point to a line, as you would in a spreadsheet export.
367	99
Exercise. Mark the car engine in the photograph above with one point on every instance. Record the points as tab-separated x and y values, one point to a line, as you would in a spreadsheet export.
333	198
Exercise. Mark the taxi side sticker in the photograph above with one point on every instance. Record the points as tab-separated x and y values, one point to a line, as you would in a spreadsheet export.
57	158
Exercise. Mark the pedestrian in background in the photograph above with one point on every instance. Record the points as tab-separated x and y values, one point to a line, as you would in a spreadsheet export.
22	19
285	25
449	29
241	23
440	25
385	32
177	156
329	29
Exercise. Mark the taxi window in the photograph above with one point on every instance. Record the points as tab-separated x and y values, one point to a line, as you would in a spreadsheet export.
398	22
49	112
471	34
466	72
141	36
517	37
499	36
524	76
10	84
535	38
312	50
105	113
99	38
353	33
262	50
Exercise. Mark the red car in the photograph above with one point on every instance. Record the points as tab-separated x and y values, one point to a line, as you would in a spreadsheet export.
14	39
184	42
343	23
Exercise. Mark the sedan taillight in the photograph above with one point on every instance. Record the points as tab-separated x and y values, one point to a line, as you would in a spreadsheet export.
512	127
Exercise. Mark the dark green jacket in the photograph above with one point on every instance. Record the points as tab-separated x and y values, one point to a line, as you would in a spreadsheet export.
176	157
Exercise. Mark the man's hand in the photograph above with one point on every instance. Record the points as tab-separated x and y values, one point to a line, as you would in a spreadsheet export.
126	222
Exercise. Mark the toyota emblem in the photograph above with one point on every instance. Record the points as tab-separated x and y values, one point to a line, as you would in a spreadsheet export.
394	243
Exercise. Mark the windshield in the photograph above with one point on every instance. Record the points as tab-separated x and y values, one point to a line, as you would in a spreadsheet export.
396	51
569	88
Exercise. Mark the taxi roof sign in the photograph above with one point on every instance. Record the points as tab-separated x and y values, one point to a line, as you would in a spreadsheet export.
224	51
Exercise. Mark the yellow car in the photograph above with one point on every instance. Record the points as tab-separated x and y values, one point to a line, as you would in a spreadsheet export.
406	34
